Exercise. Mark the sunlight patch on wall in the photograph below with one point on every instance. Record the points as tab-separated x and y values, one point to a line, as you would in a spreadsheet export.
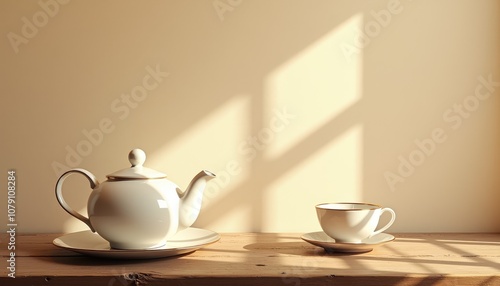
235	219
74	225
334	173
315	86
209	144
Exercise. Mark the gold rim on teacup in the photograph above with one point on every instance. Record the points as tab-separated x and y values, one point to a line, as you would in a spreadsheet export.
373	206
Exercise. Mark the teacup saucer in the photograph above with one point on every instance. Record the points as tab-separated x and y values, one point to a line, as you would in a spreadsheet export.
329	244
89	243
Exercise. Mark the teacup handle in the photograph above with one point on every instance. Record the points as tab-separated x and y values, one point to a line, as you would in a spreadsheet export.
93	184
393	218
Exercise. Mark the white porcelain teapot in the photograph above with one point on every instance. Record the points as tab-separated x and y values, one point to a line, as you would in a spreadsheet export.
137	207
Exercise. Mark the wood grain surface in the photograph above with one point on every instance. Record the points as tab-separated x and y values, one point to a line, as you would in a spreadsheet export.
268	259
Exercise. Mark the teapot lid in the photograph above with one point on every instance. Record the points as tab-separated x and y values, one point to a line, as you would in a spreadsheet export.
136	157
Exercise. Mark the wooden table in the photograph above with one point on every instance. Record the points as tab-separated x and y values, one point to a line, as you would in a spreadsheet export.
268	259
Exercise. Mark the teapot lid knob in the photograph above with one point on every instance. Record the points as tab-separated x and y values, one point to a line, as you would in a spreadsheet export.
137	157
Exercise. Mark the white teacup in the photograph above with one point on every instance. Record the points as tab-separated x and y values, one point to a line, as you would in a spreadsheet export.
351	222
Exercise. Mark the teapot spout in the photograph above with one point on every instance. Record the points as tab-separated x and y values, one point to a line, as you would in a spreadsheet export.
190	200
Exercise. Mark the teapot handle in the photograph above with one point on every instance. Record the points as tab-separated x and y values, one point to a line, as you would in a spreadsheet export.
93	184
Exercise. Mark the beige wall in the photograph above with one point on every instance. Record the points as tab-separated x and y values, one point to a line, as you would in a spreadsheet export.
291	103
